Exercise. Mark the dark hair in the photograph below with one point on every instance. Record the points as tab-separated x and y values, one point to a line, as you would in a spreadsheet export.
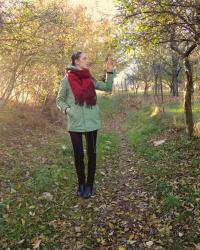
75	56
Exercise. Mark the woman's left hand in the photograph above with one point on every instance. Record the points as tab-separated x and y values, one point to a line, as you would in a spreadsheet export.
109	64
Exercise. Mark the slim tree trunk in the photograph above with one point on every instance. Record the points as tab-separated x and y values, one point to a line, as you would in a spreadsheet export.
188	97
11	84
175	72
146	88
160	81
122	87
156	84
7	93
161	90
156	76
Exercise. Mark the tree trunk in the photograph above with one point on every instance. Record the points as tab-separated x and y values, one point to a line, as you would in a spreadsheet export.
156	76
122	87
7	93
188	97
175	70
146	88
36	97
11	84
188	86
175	73
156	84
161	88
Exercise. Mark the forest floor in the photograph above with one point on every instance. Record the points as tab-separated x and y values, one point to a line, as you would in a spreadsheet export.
145	196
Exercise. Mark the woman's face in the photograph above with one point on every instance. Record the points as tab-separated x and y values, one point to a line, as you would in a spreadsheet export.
82	62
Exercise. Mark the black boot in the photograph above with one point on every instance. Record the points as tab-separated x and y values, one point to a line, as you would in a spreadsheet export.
91	174
87	192
80	191
80	170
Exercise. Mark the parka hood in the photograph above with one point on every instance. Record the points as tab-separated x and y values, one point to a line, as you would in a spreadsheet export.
70	66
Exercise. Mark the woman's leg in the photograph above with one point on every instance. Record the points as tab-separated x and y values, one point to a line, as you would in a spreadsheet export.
91	152
76	138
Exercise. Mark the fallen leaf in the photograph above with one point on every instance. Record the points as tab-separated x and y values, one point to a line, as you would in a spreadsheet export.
197	246
149	243
121	248
77	229
23	221
158	143
131	237
46	196
36	243
21	241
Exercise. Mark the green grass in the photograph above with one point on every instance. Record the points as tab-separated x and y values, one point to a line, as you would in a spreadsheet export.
171	169
109	104
176	113
141	126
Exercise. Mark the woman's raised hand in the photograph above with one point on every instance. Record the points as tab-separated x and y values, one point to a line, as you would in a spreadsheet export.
109	64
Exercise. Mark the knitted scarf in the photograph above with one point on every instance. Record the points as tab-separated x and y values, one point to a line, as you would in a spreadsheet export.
82	86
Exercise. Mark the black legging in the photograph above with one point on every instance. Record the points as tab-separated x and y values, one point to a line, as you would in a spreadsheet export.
76	138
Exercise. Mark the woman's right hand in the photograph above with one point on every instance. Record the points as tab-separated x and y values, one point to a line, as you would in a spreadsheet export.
67	110
109	64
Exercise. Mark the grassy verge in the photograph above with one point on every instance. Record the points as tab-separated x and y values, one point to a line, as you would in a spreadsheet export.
171	170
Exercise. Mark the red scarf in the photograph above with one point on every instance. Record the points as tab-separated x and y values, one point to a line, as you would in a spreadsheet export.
82	86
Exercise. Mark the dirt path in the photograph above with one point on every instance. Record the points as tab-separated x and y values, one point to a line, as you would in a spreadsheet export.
124	217
118	215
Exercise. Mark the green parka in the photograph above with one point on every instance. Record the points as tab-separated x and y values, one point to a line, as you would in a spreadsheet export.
81	118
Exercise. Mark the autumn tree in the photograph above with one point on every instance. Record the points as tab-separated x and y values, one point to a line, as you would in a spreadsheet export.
175	23
37	40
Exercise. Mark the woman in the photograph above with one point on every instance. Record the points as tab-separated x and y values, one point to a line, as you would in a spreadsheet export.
77	98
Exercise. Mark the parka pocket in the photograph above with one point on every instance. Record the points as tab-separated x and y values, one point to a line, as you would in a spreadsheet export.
75	115
70	111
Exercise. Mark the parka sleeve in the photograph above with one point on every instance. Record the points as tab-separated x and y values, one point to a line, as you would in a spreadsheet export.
62	96
107	85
